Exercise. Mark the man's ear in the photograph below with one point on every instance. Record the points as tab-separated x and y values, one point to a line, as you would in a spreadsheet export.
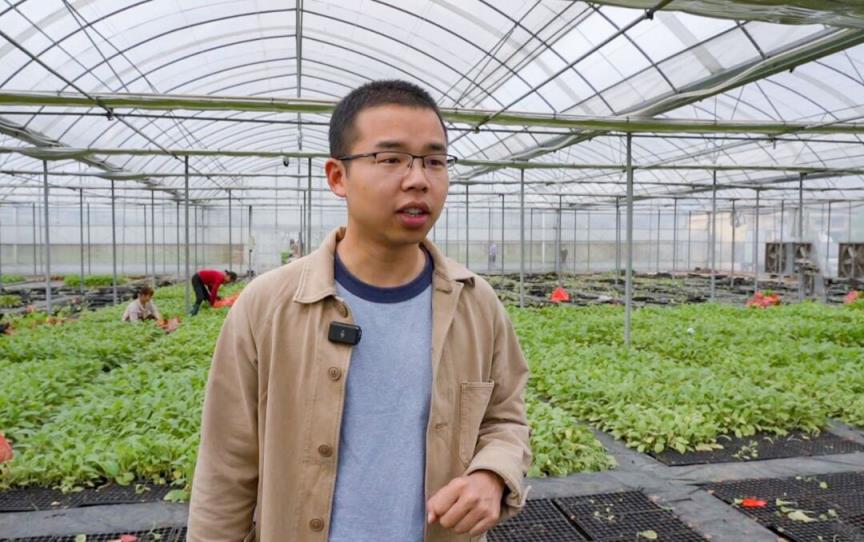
336	177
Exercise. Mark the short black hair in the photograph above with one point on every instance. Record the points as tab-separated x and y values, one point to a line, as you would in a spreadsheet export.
232	276
372	94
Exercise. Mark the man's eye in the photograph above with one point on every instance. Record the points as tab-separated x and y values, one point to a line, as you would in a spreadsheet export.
391	160
435	162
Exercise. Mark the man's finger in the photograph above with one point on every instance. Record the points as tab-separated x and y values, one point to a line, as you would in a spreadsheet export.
474	516
456	512
483	526
443	499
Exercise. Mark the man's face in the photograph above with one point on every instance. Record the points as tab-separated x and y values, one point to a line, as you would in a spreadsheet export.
145	298
383	207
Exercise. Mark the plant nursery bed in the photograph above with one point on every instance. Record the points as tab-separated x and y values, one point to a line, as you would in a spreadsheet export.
628	515
827	507
540	521
763	446
164	534
606	517
38	498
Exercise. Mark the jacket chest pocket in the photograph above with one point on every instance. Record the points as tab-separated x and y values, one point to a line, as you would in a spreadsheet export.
473	400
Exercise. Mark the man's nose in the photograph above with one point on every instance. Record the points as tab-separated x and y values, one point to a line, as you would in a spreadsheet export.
416	176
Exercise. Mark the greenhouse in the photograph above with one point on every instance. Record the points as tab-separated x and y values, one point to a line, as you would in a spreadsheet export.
667	197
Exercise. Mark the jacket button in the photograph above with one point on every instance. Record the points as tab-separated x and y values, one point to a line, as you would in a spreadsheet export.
335	373
325	450
316	524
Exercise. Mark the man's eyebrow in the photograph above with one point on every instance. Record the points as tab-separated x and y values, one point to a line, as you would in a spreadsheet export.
398	145
390	145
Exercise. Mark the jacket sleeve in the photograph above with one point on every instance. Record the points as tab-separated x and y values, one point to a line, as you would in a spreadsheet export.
225	485
503	444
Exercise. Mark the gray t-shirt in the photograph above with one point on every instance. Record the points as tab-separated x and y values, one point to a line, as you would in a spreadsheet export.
380	493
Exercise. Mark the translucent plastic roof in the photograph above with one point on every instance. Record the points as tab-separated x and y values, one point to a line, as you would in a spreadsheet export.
714	60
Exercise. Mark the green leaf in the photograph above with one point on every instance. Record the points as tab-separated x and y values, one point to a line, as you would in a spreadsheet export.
177	495
800	515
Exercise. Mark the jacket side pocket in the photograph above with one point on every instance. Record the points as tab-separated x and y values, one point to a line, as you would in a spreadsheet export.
473	399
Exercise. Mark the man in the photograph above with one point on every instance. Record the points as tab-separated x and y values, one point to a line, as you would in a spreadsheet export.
425	437
206	283
142	307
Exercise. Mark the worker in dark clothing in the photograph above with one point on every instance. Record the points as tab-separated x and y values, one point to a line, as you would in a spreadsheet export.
206	283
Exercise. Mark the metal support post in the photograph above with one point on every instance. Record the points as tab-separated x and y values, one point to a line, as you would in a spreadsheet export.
81	238
308	205
587	241
558	241
489	241
231	236
177	240
113	244
756	247
531	240
827	241
188	274
674	235
89	245
689	239
146	254
521	235
47	237
628	286
153	234
501	250
617	240
657	266
713	240
467	240
35	244
732	223
800	232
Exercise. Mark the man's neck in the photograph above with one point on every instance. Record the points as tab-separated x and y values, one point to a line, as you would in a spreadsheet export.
379	265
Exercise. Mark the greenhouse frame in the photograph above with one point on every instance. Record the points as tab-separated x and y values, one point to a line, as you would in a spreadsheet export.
715	140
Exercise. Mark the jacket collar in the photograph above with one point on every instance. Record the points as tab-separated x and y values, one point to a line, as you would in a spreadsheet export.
317	282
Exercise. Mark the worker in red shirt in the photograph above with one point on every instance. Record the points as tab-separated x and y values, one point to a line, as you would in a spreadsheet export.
206	283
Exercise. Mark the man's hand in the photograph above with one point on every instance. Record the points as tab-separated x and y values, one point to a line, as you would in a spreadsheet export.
468	504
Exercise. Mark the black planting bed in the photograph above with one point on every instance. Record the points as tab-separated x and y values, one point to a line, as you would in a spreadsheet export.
540	521
38	498
600	518
163	534
763	446
832	505
623	516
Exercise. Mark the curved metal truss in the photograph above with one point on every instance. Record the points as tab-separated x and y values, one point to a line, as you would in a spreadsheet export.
546	91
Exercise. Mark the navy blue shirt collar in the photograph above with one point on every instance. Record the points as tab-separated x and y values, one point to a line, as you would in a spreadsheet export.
377	294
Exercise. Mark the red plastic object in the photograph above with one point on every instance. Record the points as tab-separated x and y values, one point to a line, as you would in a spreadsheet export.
6	453
227	302
169	326
559	294
753	503
853	297
763	300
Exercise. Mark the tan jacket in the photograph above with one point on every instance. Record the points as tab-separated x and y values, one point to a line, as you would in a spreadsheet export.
273	406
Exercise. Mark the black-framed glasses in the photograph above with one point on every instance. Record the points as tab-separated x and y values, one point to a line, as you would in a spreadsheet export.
397	163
